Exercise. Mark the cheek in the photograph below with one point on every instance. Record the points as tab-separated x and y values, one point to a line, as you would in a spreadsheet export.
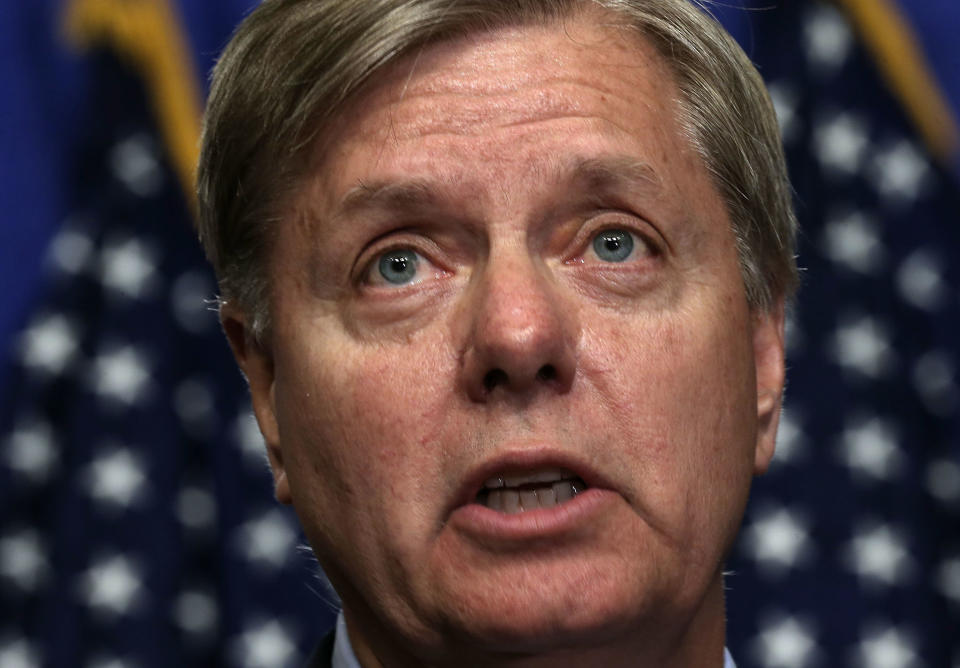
358	423
679	388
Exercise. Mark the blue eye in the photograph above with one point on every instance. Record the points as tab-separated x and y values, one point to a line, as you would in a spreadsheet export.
613	245
399	266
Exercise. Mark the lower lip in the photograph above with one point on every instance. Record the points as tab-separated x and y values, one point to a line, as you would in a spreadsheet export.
566	518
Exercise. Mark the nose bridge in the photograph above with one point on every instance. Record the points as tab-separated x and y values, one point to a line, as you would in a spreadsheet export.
523	331
518	301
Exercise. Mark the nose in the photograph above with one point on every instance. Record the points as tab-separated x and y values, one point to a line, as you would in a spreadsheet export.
523	333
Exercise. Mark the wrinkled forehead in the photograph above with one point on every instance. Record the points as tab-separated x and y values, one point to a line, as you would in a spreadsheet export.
493	71
591	67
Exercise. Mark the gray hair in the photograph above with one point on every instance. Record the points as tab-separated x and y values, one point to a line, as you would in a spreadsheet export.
292	65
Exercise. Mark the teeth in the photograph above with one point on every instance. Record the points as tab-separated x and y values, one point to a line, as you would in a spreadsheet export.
516	480
512	501
517	492
552	475
563	491
494	483
495	500
546	497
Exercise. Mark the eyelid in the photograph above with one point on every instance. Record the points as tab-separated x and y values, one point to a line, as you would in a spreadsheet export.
642	233
366	264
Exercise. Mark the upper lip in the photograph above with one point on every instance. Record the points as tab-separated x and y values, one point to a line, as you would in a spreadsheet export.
525	461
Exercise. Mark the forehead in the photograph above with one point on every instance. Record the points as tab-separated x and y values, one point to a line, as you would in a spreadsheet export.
512	75
530	101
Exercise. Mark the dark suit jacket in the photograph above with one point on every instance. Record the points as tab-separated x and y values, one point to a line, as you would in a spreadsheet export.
322	656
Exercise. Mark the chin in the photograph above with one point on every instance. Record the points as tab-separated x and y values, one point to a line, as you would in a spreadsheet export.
539	615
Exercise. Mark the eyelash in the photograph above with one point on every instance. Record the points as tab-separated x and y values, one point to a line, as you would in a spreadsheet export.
370	260
643	243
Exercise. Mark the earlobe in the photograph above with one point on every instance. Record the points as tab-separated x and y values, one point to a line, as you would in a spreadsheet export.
768	351
256	363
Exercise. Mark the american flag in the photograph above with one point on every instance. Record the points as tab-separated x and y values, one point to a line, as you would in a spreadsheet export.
137	526
850	551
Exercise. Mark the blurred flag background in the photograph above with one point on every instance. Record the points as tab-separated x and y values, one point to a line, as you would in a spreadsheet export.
137	526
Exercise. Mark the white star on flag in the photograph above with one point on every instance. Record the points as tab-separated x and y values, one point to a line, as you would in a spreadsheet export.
785	98
920	280
948	579
121	375
943	481
853	241
134	163
267	539
785	642
30	451
193	402
111	662
791	441
18	653
841	143
267	645
112	586
49	344
196	507
23	561
878	556
886	648
116	477
196	612
862	344
778	540
128	267
869	448
193	304
934	378
899	171
828	39
247	435
71	249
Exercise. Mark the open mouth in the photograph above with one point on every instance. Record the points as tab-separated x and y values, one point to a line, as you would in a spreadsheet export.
520	492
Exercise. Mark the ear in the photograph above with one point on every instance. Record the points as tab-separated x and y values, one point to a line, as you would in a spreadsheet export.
768	354
256	363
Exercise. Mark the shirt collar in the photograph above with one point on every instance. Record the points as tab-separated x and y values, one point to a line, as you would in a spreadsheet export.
343	656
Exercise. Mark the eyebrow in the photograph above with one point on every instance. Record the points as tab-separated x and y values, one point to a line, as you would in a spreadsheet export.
405	195
590	175
617	172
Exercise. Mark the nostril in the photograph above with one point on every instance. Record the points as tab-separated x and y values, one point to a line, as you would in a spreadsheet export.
493	378
547	372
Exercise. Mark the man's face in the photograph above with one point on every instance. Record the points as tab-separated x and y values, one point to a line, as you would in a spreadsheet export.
510	266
